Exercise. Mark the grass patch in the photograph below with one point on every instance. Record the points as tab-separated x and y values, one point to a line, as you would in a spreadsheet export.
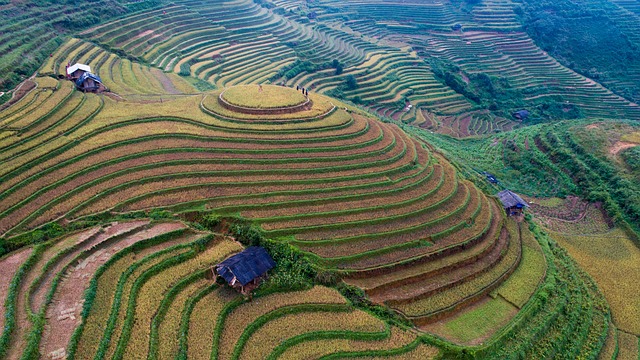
480	321
634	137
549	202
199	84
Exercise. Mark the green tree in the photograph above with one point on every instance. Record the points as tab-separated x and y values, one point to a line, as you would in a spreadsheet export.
350	82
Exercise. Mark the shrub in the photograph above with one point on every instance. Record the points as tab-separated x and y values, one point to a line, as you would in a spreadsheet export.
350	82
631	157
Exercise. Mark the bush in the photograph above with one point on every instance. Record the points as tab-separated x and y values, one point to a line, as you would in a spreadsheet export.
336	64
631	157
350	82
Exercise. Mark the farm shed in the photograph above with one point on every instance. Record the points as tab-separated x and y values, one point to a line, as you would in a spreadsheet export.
75	71
90	82
244	270
512	203
521	114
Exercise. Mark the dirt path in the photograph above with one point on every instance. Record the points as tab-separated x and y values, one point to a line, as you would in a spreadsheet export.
64	313
165	81
38	295
621	145
23	324
88	240
9	266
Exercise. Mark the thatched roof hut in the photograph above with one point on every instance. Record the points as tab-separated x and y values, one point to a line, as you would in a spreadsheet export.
511	202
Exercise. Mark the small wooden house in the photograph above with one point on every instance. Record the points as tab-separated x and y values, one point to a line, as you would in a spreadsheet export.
512	203
74	72
245	270
89	82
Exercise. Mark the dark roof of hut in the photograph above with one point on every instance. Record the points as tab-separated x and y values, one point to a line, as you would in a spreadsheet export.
86	76
510	199
245	266
521	114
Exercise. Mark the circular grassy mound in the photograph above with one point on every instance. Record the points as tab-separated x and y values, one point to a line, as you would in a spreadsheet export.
263	97
315	108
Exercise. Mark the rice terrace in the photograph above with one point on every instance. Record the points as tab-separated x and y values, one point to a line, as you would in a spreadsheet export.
320	179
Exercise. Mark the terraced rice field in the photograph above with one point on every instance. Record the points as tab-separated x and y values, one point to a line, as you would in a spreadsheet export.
391	199
221	48
515	57
242	42
618	251
385	45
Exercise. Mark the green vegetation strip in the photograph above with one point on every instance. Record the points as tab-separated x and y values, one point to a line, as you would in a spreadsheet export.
30	138
429	192
39	319
137	285
90	293
245	203
536	318
60	150
124	186
120	187
349	224
335	261
246	199
70	162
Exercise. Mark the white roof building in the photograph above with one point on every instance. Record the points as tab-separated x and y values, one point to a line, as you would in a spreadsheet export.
75	67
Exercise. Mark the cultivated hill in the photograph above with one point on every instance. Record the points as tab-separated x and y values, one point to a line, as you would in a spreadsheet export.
350	199
230	123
